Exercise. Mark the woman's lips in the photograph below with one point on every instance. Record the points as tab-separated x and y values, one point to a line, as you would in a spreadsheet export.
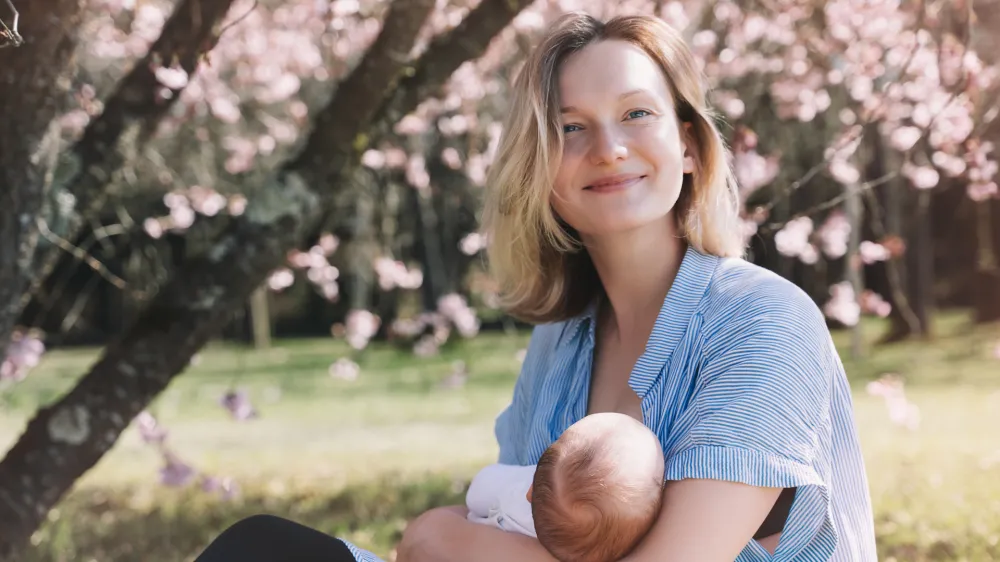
612	184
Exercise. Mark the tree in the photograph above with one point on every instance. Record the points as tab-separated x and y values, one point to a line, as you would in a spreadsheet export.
33	75
68	437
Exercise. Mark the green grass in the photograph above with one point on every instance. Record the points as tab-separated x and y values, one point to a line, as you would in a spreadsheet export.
358	459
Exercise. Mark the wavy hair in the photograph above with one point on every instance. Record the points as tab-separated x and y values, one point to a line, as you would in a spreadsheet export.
543	273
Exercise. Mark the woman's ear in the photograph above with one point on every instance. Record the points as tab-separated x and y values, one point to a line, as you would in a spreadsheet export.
686	140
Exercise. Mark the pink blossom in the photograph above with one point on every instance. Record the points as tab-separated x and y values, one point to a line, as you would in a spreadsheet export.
23	353
328	243
844	172
374	159
475	168
451	158
226	486
793	240
872	252
843	306
753	171
454	308
392	274
361	326
150	430
407	327
206	201
902	412
834	235
236	205
410	125
416	172
175	472
174	77
426	346
323	274
280	279
982	191
873	303
344	369
74	122
395	157
950	164
153	227
903	138
238	404
922	177
472	243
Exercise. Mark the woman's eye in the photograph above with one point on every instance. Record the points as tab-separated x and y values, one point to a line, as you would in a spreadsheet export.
637	113
570	128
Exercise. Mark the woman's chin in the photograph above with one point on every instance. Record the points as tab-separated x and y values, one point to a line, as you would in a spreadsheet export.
628	225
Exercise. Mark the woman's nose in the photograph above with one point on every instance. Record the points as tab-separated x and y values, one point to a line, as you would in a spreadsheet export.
607	147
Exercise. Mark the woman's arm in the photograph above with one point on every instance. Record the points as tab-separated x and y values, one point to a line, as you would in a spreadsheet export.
705	521
445	535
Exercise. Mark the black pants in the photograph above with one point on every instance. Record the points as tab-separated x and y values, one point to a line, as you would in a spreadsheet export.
266	538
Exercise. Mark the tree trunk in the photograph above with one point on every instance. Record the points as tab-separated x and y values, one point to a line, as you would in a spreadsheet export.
430	244
66	439
854	272
32	89
987	308
921	256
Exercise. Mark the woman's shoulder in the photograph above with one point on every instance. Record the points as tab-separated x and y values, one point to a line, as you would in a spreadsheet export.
743	291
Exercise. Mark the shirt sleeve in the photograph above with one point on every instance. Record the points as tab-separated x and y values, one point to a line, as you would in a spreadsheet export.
760	410
511	426
360	554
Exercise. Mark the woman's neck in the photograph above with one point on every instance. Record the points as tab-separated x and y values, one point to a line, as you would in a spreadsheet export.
637	268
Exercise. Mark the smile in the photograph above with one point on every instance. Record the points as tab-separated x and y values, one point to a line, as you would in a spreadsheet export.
614	183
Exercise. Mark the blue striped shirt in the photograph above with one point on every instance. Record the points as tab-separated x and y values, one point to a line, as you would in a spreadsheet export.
741	381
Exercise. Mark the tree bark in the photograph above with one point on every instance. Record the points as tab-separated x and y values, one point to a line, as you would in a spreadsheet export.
32	81
130	114
66	439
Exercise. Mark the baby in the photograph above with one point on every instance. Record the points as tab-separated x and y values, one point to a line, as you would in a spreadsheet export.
593	496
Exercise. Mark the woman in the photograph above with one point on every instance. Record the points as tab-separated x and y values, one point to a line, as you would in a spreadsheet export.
613	219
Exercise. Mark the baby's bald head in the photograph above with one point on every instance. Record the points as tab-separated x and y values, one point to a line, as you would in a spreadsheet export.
597	489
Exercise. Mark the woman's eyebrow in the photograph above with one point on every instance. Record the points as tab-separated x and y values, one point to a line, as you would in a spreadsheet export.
628	94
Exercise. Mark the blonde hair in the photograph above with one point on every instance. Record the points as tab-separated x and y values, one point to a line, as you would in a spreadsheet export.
543	273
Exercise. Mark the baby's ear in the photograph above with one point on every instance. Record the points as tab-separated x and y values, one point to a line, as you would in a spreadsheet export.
528	495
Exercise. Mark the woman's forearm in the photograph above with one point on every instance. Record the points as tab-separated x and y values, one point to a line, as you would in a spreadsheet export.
445	535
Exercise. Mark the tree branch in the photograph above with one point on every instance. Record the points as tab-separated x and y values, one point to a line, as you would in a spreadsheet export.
467	41
136	105
66	439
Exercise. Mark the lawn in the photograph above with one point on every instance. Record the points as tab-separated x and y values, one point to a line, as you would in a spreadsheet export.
358	458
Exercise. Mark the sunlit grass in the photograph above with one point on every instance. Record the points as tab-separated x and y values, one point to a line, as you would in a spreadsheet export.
358	458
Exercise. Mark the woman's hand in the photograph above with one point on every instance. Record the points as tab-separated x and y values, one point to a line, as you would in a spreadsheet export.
445	535
425	537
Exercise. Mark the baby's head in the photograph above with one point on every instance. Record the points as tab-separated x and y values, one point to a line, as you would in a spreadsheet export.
597	489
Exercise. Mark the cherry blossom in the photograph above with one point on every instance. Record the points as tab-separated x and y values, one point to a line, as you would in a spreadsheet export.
843	305
901	411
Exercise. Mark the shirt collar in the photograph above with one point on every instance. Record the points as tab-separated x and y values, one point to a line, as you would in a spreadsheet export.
682	301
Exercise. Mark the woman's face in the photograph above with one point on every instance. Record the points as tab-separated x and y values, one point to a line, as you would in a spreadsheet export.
623	159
